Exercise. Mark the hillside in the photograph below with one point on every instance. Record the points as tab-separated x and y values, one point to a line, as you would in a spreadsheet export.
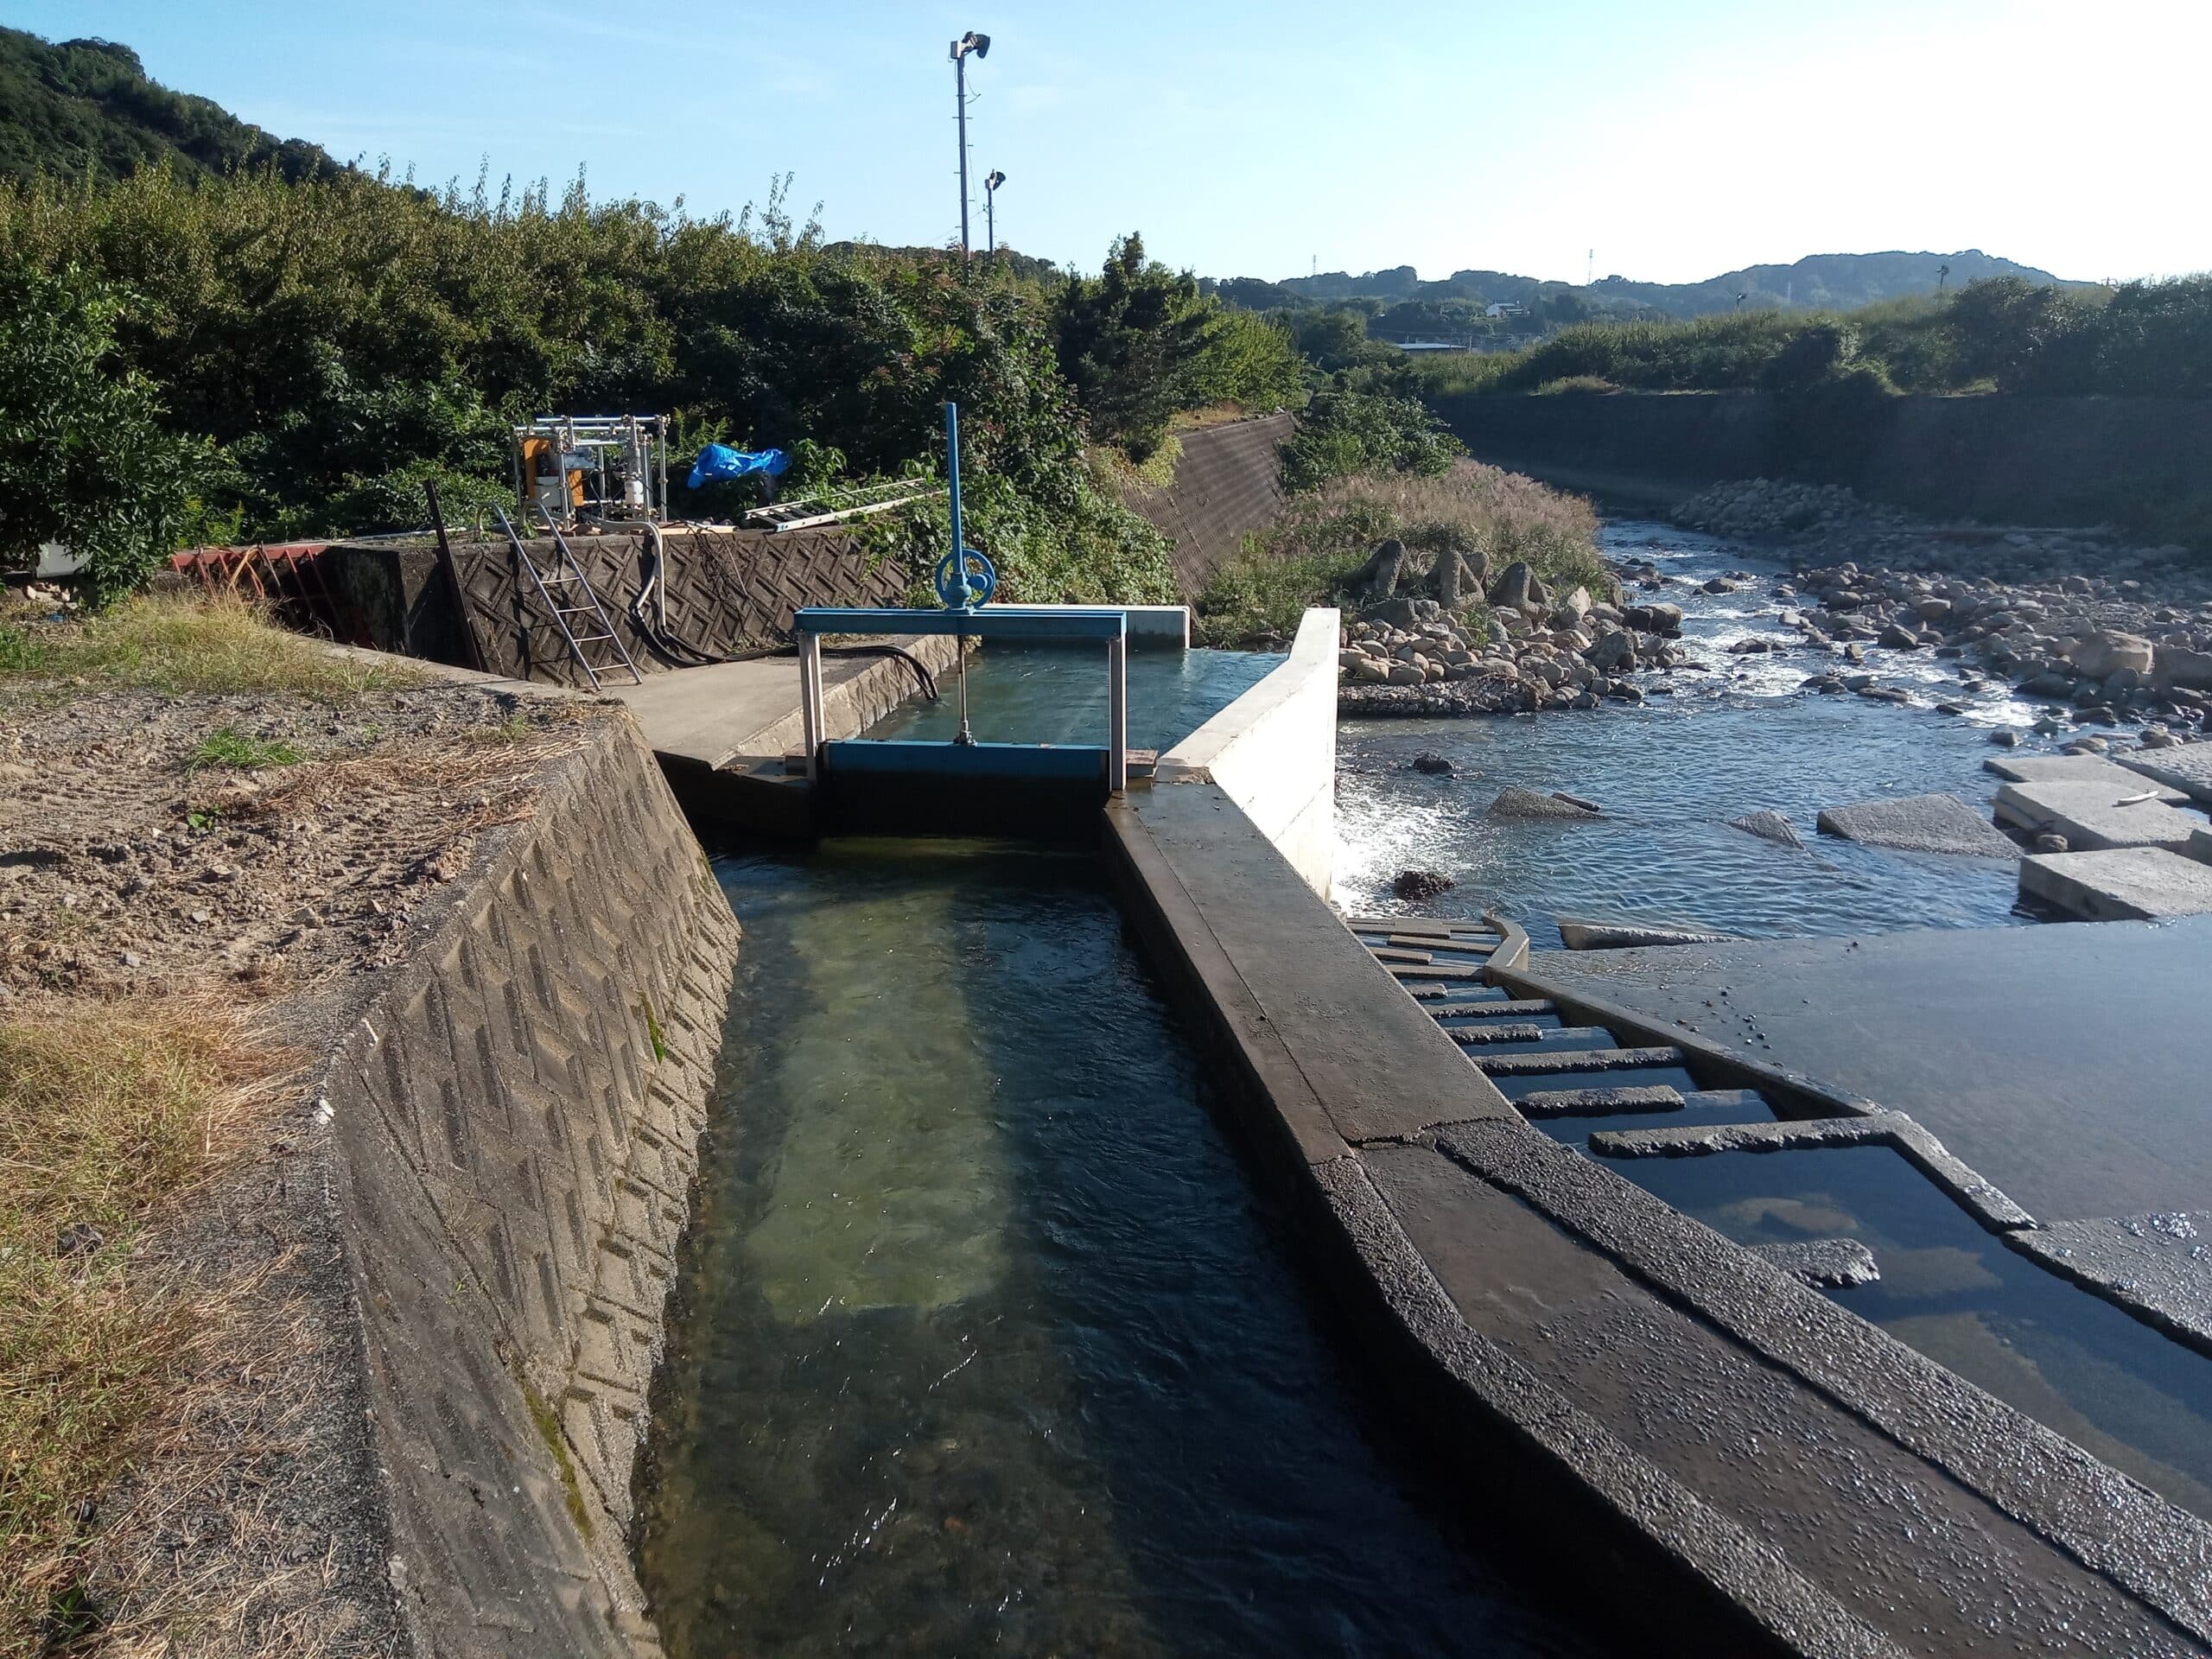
1825	281
78	104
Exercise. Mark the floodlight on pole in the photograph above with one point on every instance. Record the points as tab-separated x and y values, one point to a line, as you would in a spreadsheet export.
992	179
981	46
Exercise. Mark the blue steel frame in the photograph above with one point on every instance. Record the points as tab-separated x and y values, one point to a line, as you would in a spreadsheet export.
1110	628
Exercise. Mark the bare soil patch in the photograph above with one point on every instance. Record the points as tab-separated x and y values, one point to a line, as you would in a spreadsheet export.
212	836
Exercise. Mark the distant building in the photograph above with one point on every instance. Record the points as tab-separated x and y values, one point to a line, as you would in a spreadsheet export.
1432	345
1505	308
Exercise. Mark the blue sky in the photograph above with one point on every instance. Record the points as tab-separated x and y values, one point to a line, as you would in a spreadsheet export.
1679	138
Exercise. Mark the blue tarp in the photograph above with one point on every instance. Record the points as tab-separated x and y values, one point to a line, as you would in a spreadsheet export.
719	460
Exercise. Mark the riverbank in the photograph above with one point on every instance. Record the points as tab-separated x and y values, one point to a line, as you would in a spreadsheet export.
2099	631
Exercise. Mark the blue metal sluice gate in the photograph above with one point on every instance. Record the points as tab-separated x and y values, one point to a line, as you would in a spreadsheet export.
965	580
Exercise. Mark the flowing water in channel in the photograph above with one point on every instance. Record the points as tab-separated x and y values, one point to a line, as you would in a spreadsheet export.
982	1341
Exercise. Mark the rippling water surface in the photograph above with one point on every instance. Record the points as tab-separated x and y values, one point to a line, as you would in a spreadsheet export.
981	1342
1670	774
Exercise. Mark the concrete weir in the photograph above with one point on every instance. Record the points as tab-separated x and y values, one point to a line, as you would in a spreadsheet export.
512	1121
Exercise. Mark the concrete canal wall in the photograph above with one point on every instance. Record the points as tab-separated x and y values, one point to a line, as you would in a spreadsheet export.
514	1116
2134	461
1273	753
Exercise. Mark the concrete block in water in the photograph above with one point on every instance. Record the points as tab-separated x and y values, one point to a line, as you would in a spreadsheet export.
1823	1263
2188	768
2130	884
1514	802
1919	824
2097	816
1581	933
2073	769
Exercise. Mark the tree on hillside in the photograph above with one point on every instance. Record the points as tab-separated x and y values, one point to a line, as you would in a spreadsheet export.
1128	340
84	457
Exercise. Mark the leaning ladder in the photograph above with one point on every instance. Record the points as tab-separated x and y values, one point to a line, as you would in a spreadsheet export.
567	579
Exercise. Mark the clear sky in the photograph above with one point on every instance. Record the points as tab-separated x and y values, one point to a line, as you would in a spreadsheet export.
1679	138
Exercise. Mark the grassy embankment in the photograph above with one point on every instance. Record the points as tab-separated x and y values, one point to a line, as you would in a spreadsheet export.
114	1113
1482	512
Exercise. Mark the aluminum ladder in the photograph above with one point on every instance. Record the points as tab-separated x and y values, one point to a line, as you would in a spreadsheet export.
567	579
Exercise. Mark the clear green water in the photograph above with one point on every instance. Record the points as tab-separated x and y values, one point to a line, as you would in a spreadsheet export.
982	1342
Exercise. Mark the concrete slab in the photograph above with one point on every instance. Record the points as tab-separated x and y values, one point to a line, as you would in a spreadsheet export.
2073	769
1919	824
2066	1064
1592	933
710	715
2158	1267
2187	767
2094	816
2124	885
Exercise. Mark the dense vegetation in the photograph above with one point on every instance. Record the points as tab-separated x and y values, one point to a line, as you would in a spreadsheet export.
2005	335
1489	517
86	106
322	346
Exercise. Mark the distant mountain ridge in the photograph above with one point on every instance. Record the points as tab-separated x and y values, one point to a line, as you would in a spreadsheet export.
1819	281
76	104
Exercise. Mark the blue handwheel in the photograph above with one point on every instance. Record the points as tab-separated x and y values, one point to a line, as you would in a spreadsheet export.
963	585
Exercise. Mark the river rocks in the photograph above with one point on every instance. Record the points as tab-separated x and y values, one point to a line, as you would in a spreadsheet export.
1413	885
1923	823
1613	653
1391	613
1656	618
2106	652
1517	803
1431	764
1768	826
1447	575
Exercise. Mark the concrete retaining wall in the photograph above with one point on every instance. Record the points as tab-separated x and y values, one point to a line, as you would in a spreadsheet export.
514	1116
2134	461
1228	485
1274	752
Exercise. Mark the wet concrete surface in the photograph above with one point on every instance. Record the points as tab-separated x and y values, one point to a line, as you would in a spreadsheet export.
2067	1064
1807	1483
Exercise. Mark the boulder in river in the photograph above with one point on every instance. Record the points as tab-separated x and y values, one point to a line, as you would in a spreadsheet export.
1514	802
1432	763
1421	884
1768	825
2106	651
1656	618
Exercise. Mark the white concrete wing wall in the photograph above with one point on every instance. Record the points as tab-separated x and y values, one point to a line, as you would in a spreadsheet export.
1274	752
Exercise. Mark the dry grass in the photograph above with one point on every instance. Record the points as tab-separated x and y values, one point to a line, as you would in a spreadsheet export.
109	1114
181	645
1474	509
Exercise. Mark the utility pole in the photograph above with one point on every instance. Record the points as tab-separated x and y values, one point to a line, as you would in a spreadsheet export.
981	46
1590	268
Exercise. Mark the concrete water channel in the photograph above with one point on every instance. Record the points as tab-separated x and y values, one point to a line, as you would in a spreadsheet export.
1097	1245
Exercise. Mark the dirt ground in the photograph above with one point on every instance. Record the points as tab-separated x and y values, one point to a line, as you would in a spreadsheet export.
141	864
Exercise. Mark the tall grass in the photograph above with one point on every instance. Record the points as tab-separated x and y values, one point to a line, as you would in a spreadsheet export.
182	645
107	1115
1475	510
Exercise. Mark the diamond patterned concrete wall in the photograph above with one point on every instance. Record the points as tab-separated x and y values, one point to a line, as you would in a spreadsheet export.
726	590
1228	485
517	1117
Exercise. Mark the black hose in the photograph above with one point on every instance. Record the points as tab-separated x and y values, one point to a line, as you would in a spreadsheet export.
681	653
